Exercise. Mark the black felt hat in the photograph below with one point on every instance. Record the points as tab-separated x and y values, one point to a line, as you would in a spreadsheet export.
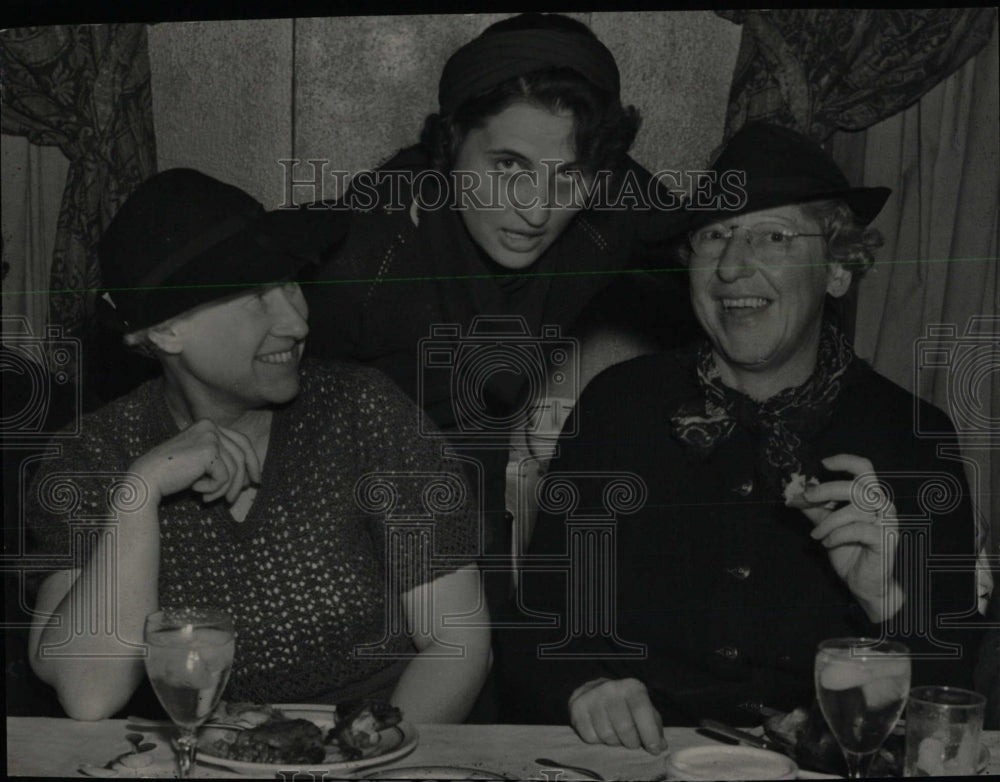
780	167
184	239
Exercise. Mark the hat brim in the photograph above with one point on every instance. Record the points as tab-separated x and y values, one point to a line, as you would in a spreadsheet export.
272	249
865	202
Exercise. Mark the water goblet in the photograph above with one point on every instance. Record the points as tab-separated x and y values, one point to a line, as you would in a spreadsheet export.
188	660
861	685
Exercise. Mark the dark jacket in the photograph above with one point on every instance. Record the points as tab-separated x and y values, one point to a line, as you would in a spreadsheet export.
715	576
391	282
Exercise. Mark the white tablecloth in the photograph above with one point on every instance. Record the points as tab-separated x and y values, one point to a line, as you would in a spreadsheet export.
46	747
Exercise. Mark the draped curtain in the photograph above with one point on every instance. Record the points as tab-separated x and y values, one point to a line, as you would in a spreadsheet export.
86	90
819	70
34	179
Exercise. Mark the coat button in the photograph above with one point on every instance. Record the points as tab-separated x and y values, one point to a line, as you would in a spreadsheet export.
745	489
729	652
741	573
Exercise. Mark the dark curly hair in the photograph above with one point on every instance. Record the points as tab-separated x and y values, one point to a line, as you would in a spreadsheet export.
605	129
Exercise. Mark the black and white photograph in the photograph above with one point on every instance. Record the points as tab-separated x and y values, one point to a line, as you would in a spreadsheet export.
520	394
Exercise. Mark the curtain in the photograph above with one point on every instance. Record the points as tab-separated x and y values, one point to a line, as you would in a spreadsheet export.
928	317
823	69
86	90
34	180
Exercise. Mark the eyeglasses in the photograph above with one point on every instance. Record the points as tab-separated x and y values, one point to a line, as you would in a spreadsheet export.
770	239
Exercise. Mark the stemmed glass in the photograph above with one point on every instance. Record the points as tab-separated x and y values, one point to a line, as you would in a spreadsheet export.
862	685
188	659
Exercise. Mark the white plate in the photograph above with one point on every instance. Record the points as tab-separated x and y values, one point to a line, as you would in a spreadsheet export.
394	743
715	761
434	772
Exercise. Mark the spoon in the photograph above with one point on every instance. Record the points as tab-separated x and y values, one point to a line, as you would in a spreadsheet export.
566	767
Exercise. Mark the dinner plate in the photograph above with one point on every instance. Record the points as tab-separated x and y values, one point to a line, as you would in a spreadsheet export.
435	772
394	743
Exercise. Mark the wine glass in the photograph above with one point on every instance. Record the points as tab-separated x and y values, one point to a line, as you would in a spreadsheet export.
188	659
862	685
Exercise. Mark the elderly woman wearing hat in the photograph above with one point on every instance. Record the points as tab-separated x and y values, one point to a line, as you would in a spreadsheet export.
488	218
777	473
238	472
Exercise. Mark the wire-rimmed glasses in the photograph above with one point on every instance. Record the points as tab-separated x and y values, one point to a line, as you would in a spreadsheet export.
772	240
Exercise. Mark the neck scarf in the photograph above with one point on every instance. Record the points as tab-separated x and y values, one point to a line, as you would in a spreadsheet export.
781	424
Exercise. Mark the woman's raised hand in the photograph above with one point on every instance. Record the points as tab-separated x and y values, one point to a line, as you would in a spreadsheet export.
856	533
211	459
616	712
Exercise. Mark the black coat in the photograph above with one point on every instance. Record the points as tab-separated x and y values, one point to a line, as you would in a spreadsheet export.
715	576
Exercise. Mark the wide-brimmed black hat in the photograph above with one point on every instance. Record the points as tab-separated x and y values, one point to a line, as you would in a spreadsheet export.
184	239
780	167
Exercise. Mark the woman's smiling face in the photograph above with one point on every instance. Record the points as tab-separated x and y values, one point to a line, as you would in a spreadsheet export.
762	310
244	351
524	191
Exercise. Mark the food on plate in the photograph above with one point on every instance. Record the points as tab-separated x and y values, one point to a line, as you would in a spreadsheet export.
249	715
360	722
805	736
279	741
271	737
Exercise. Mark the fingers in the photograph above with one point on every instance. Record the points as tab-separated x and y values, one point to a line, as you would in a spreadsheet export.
838	518
830	494
232	467
250	458
239	479
603	725
647	721
617	713
856	533
217	474
836	491
231	473
849	463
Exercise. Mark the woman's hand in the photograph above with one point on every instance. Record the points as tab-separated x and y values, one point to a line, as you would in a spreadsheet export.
855	533
616	712
208	458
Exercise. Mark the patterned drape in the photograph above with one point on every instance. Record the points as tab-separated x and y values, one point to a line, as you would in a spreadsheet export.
86	90
820	70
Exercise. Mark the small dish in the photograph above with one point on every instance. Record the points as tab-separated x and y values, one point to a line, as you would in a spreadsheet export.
717	761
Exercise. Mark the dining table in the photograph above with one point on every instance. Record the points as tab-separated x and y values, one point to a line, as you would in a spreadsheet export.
58	747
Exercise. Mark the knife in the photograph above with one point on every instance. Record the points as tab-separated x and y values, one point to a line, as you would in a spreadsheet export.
740	735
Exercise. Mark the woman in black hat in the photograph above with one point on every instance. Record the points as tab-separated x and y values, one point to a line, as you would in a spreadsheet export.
488	218
776	473
237	480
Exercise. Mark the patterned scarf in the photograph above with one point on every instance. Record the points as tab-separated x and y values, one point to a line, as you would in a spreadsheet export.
780	424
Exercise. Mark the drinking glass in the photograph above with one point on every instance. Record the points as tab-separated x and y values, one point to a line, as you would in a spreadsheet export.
943	725
861	684
188	659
